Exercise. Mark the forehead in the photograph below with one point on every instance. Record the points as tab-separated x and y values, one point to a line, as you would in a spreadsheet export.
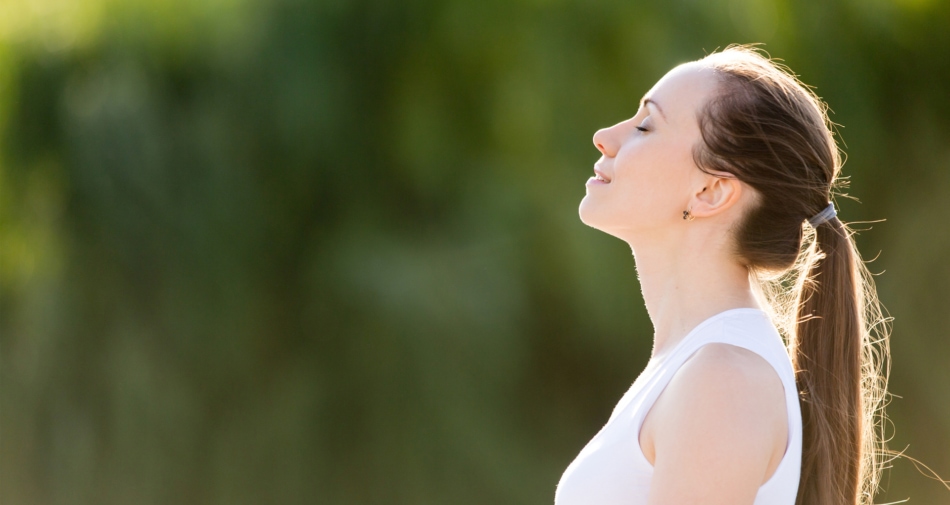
684	90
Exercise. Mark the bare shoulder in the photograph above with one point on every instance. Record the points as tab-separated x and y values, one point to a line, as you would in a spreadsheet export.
721	422
730	373
730	388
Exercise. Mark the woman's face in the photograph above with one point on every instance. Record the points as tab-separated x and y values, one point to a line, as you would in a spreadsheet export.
646	175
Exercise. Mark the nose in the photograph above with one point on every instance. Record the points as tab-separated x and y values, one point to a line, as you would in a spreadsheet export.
602	139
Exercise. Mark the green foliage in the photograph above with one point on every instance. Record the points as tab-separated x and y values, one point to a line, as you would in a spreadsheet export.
327	252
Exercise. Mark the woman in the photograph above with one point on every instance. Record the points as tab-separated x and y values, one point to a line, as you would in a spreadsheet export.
721	184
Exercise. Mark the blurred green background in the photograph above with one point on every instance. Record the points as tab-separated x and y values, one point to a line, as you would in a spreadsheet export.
280	251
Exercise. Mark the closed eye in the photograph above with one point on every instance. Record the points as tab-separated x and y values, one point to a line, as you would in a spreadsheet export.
643	129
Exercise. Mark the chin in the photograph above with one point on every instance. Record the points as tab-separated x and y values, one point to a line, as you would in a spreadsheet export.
588	212
603	220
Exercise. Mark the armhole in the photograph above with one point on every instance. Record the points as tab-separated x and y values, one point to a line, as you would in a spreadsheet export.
761	350
657	390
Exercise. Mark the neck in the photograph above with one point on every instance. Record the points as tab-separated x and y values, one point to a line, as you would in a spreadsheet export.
685	285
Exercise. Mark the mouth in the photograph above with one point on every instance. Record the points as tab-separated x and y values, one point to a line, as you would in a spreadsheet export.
601	177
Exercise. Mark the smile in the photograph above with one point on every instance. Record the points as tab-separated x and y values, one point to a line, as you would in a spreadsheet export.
600	176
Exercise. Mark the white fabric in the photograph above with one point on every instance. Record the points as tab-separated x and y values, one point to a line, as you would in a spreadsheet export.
612	470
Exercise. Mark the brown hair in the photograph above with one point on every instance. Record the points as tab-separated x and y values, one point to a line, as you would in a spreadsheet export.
773	133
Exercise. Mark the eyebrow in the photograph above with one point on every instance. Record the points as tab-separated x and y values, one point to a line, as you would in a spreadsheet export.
644	101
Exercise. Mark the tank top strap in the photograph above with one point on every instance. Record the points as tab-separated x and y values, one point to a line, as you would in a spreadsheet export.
746	328
612	470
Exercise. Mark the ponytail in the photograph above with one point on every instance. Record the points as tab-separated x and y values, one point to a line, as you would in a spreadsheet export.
840	372
772	132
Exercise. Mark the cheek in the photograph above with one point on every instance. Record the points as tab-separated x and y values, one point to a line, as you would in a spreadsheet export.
661	174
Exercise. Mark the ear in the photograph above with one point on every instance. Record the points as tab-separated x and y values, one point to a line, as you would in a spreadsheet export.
717	194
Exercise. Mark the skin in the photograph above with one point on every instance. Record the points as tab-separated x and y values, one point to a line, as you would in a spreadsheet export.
719	430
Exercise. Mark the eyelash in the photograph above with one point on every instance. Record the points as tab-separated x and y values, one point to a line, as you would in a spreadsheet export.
642	129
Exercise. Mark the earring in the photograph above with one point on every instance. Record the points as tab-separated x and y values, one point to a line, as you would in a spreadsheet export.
687	216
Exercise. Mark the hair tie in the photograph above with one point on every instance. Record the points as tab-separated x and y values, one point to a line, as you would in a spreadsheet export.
824	216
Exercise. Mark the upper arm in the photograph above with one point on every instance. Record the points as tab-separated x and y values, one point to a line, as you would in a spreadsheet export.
717	430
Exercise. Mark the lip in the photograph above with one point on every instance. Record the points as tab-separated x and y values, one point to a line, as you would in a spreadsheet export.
597	171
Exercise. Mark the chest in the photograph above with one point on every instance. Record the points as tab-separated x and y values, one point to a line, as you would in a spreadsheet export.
611	468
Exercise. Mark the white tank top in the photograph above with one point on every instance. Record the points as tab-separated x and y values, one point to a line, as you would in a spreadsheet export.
612	470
